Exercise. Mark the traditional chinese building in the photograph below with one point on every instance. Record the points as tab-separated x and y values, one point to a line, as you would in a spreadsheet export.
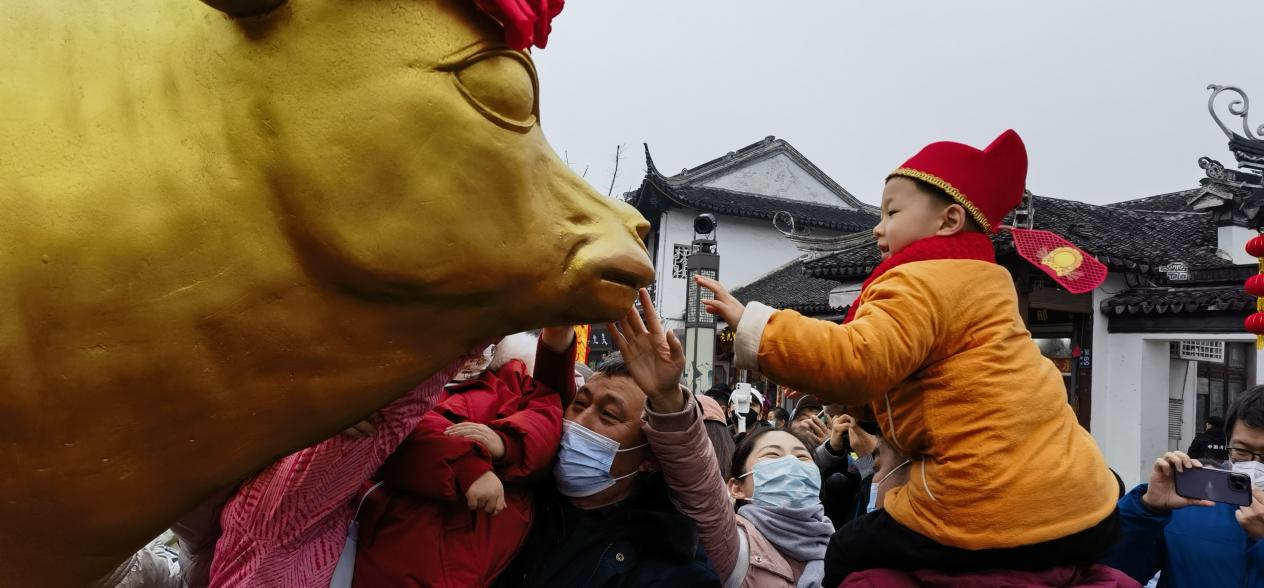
746	190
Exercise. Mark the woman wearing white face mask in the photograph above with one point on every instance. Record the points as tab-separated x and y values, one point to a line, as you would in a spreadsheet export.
778	535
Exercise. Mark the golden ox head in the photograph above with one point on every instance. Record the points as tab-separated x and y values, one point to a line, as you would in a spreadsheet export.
404	147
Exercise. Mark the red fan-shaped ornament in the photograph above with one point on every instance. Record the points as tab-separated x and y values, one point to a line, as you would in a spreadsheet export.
1065	263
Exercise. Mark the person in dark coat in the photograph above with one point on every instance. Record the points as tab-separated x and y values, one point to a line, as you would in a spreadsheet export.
605	519
1210	444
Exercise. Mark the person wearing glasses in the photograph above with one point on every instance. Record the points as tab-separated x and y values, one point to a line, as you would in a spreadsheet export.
1195	542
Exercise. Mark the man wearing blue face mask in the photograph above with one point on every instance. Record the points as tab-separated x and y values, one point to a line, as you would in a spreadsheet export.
604	518
1197	543
891	471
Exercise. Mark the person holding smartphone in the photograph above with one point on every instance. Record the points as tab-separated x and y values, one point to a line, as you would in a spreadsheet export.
1197	542
806	419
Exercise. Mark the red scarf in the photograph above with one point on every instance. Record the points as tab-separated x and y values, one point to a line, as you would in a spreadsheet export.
960	246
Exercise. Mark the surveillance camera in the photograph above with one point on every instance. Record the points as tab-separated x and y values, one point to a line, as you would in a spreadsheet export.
704	224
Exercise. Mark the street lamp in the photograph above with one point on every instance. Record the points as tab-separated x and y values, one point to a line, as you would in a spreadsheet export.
703	260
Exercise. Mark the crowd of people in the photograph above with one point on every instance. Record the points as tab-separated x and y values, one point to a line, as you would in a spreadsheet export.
932	445
529	472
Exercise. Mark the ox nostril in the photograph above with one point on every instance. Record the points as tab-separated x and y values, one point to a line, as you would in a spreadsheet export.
641	227
630	269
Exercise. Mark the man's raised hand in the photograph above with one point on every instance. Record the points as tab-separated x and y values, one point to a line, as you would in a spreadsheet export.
654	357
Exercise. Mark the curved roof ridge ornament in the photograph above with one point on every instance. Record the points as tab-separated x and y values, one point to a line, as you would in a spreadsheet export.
792	230
1215	170
649	161
1240	108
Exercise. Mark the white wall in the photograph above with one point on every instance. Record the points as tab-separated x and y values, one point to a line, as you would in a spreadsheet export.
749	249
1130	390
1233	241
777	176
1183	377
1132	375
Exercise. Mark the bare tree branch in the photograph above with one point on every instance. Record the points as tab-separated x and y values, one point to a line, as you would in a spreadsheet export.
566	157
618	155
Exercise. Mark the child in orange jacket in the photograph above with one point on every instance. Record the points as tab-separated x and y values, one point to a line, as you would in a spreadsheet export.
1002	475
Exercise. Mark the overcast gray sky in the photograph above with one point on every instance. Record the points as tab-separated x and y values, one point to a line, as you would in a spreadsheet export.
1109	95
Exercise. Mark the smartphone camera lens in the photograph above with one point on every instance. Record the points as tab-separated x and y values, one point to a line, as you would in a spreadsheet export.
1239	482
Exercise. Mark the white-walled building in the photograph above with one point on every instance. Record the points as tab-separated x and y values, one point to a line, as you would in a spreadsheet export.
745	190
1176	349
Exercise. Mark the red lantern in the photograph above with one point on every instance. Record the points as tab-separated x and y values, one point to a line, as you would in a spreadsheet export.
1255	323
1255	247
1255	285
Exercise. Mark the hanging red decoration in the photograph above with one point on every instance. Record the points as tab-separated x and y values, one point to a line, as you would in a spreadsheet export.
1255	287
1059	259
1255	323
1255	247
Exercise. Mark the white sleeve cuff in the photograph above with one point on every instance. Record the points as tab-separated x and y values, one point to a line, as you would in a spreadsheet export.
750	331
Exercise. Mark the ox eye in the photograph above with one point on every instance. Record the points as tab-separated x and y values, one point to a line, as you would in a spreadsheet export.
502	86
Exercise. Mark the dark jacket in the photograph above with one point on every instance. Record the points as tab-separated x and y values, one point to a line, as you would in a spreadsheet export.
642	541
1193	546
1210	444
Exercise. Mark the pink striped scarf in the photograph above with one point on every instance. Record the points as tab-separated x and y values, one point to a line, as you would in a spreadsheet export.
287	525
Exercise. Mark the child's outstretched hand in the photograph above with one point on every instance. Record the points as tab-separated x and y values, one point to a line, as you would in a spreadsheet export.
724	305
486	494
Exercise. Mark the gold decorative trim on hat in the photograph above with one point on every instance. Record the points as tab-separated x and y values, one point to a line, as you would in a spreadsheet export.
952	191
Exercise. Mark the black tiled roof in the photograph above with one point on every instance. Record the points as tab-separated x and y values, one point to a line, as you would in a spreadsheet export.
1209	290
1170	202
723	201
1123	239
856	261
1224	298
658	193
1127	239
1233	188
790	287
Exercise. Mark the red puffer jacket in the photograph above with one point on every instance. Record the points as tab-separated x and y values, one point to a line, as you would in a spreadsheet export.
416	530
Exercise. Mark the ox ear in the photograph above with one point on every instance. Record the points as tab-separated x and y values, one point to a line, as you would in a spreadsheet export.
242	8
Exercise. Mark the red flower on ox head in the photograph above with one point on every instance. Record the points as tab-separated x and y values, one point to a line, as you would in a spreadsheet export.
526	22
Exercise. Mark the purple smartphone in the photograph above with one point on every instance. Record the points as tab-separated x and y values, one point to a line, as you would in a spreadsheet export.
1214	485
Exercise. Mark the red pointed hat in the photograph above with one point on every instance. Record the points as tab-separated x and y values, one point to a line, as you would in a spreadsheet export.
988	183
